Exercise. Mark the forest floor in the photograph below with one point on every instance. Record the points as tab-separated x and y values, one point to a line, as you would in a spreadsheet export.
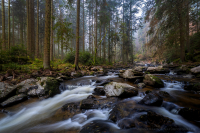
14	74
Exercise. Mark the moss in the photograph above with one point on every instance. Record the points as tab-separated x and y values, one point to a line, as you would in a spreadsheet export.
52	86
38	78
91	73
42	83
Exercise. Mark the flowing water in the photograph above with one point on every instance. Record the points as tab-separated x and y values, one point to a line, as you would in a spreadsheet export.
31	117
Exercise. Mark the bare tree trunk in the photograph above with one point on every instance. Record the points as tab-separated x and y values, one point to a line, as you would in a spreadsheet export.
109	44
13	25
188	26
181	33
32	28
37	32
3	27
100	42
28	25
8	24
83	26
51	48
77	35
95	55
46	62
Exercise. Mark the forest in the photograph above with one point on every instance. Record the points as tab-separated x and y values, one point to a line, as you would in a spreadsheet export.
92	66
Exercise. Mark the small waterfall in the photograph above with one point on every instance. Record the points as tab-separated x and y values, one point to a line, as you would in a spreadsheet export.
43	109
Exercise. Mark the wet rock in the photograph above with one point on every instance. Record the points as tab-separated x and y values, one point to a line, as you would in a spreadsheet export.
159	70
95	103
148	91
123	110
61	78
141	85
158	123
98	126
190	114
120	90
195	70
72	107
6	91
76	74
152	99
99	91
126	123
139	69
193	87
14	100
46	86
163	94
128	74
26	85
102	82
153	81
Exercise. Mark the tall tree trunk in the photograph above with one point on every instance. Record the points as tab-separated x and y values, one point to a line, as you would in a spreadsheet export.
3	27
188	26
37	32
181	33
100	42
95	55
21	30
51	48
77	35
8	24
28	27
13	26
92	29
83	26
104	44
109	44
46	62
32	28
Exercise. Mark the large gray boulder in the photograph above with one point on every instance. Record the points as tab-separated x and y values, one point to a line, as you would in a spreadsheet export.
132	75
152	99
14	99
26	85
159	70
195	70
122	90
45	86
152	80
6	91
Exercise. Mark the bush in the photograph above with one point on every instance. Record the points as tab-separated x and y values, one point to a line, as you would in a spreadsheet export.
16	54
85	58
70	57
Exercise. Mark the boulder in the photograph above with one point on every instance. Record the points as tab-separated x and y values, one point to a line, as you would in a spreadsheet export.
158	123
192	87
123	109
159	70
163	94
141	85
153	81
45	86
98	126
126	123
190	114
120	90
152	99
76	74
183	70
6	91
96	102
14	100
139	69
131	75
102	82
26	85
99	91
195	70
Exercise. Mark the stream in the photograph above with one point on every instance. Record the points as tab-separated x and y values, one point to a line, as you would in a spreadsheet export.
39	116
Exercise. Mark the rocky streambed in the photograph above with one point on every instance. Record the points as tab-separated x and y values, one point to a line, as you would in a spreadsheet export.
140	99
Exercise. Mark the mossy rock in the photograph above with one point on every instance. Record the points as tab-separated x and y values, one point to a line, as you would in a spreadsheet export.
154	81
52	86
